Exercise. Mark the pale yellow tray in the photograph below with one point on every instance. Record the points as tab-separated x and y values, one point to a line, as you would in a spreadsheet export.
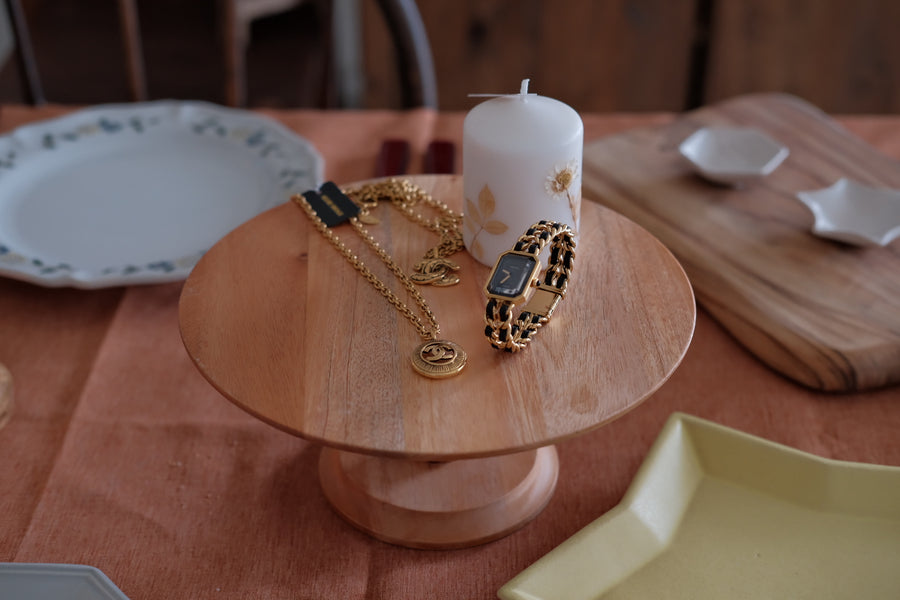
715	513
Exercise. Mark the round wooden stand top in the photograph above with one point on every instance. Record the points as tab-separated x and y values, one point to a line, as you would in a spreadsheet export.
279	323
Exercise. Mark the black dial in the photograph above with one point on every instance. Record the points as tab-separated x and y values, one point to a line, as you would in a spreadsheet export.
511	275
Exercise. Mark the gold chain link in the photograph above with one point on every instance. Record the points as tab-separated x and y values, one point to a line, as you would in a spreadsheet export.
405	196
514	334
359	265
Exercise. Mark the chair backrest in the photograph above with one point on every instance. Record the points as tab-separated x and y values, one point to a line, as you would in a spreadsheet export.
28	71
414	52
415	63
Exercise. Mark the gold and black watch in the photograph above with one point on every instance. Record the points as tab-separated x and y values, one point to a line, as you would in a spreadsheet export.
515	273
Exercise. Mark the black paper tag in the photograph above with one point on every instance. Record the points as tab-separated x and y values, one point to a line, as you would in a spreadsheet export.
331	204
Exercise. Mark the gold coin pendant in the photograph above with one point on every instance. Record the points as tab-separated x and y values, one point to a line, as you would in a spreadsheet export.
438	359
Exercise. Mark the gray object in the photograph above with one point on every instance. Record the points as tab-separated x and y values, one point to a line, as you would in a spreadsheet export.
37	581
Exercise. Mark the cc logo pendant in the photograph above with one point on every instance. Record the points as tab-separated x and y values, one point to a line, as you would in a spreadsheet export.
438	359
435	271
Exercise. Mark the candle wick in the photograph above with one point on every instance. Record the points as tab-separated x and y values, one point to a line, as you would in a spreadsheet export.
499	95
523	93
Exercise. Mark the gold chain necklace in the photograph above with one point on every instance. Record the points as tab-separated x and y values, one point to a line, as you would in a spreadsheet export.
434	268
433	358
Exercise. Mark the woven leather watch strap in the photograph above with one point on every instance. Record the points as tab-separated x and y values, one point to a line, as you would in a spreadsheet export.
513	334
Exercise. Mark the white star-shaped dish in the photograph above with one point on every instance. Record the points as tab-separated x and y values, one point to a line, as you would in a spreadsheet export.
732	155
854	213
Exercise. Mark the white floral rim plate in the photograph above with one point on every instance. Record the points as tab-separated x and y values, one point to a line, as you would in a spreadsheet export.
854	213
732	155
716	513
136	193
40	581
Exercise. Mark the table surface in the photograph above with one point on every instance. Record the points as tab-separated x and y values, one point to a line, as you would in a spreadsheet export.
120	455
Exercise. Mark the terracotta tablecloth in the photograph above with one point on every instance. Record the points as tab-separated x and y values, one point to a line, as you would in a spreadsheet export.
120	455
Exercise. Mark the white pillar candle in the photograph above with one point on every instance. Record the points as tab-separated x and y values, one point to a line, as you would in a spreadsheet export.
521	163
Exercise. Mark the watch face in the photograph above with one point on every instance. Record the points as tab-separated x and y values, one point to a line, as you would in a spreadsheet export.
511	275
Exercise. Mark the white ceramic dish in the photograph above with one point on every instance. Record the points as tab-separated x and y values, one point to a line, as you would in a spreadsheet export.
35	581
854	213
135	193
732	155
715	513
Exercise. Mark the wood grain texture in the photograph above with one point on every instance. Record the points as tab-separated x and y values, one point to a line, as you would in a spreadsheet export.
842	55
443	505
595	56
822	313
6	395
280	324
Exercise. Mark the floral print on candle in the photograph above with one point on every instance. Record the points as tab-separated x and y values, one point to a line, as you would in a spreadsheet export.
477	219
559	185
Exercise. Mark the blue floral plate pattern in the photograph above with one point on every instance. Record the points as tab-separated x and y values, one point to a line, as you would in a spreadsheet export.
136	193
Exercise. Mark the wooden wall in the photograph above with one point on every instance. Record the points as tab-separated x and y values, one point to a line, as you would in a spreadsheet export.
597	55
843	55
638	55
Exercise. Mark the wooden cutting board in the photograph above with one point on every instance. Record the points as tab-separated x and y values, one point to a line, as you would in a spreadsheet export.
820	312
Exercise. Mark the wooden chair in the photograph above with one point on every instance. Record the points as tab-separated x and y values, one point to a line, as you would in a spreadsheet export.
28	69
415	62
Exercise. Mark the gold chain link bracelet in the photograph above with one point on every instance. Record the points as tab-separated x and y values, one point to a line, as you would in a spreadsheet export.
515	272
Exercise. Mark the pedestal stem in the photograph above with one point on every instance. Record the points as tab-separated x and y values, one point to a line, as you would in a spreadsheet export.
439	505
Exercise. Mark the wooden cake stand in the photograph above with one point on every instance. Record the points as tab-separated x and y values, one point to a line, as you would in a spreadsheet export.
281	325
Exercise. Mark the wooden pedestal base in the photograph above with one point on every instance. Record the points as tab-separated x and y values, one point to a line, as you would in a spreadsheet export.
439	504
